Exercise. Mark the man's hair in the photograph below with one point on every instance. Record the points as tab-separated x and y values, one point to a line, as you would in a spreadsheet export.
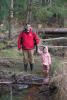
28	23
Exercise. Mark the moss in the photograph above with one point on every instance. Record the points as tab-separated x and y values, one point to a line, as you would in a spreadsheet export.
2	45
56	66
14	54
11	53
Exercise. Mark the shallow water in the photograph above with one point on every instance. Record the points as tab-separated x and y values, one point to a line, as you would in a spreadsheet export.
27	93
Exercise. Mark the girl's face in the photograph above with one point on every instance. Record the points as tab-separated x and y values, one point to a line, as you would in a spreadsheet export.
44	50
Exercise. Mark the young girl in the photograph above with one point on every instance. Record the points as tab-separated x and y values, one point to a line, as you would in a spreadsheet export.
46	61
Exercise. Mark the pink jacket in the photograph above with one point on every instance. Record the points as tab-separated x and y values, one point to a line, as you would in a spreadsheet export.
46	59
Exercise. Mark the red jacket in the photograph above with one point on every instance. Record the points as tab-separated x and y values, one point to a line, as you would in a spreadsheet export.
28	42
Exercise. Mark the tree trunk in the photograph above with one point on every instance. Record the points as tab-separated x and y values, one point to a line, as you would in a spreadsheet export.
0	14
45	1
29	11
41	2
50	3
11	29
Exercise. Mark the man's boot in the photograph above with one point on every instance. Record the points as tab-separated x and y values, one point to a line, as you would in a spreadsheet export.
25	67
31	66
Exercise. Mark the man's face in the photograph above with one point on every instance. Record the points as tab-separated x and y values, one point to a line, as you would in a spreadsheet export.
28	27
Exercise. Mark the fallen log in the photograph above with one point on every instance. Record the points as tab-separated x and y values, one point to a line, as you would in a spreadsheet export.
54	46
14	83
53	30
60	38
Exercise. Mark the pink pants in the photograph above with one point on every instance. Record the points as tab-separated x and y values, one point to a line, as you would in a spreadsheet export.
46	67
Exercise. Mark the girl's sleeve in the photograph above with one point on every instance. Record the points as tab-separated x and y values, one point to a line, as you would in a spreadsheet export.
49	59
40	52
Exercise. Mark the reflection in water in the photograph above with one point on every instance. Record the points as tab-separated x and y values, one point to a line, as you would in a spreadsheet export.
32	93
22	86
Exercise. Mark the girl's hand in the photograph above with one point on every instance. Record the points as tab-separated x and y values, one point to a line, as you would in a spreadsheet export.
38	46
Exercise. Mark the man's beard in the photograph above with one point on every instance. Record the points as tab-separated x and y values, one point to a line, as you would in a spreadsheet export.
27	31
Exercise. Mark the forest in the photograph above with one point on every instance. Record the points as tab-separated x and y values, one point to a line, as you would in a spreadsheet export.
41	10
48	19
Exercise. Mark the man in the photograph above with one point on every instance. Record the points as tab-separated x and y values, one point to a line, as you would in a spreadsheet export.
27	45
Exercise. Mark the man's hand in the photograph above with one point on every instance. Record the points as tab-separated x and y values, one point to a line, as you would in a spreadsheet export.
37	46
20	51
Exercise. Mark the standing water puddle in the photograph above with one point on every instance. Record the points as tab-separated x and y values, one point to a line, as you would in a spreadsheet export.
26	92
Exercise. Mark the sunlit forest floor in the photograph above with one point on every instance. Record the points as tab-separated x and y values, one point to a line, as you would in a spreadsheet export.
11	62
17	58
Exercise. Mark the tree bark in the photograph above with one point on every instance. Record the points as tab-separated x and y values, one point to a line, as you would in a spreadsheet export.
45	1
50	3
11	29
41	2
29	11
